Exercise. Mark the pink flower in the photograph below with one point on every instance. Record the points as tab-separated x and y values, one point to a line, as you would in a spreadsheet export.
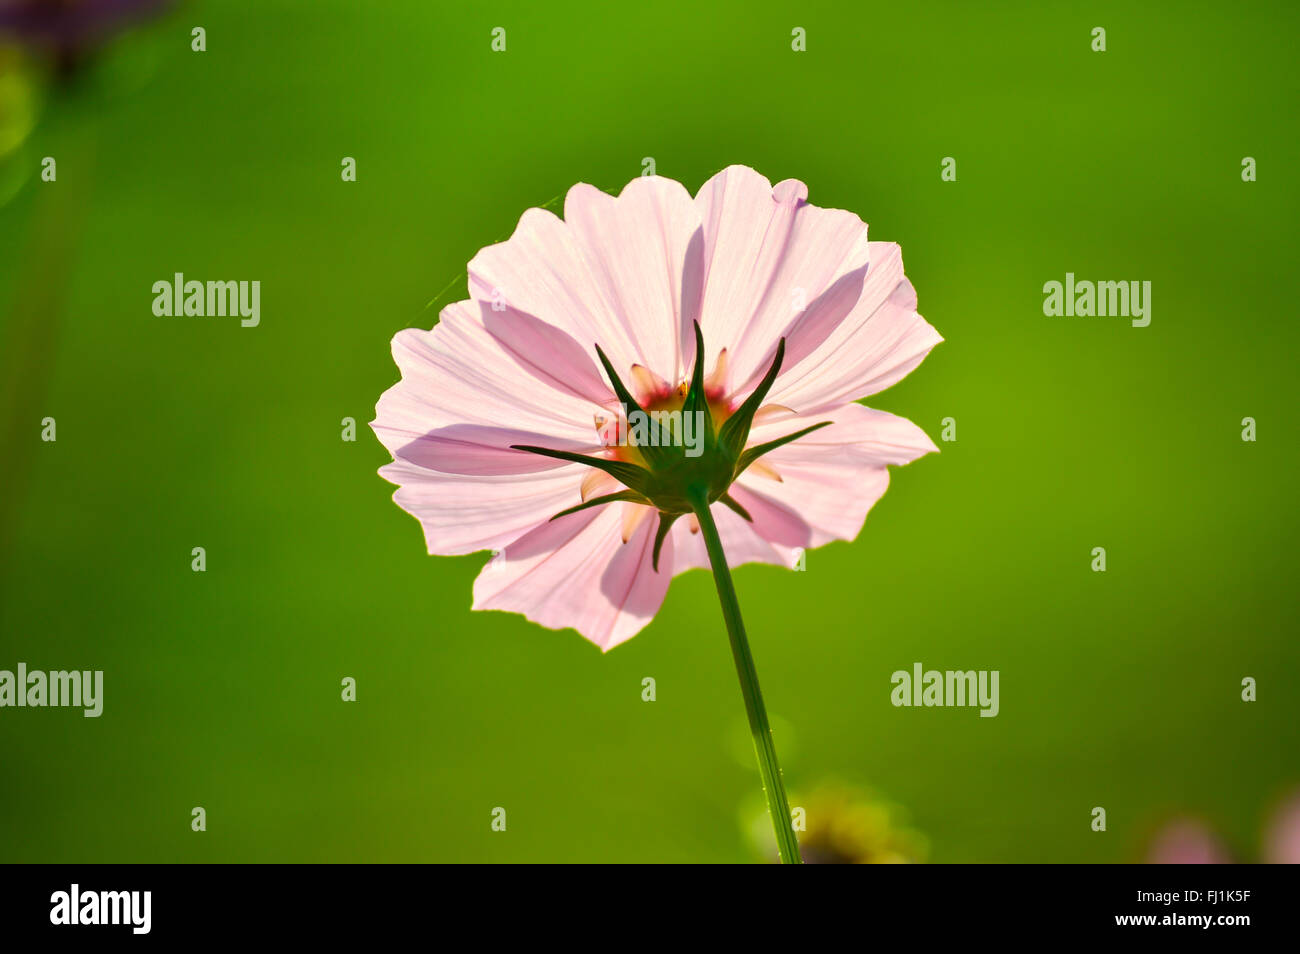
768	282
1187	841
1282	836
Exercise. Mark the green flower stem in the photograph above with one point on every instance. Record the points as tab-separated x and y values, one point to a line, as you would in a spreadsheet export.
29	332
778	806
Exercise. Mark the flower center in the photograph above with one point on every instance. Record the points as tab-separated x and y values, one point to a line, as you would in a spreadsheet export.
663	420
677	449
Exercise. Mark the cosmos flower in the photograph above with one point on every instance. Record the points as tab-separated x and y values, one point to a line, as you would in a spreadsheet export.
515	424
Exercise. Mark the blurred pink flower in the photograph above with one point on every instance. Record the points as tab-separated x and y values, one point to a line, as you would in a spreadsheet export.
774	283
1282	836
1187	841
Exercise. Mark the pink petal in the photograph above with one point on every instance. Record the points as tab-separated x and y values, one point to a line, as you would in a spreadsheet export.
740	542
778	521
830	478
1187	842
880	341
622	272
644	250
769	256
445	424
577	572
462	514
458	373
473	450
810	328
860	437
1282	838
539	270
547	353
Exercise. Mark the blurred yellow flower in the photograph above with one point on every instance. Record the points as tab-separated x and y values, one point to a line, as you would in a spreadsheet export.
843	824
17	100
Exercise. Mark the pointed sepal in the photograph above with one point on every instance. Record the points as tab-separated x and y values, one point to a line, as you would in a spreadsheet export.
637	478
661	534
652	452
735	429
758	450
697	401
631	496
735	506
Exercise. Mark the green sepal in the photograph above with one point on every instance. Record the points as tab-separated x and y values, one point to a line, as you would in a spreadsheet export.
661	534
735	506
628	495
697	402
637	478
652	452
735	429
672	483
758	450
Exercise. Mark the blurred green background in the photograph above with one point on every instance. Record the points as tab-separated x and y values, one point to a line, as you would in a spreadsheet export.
1118	689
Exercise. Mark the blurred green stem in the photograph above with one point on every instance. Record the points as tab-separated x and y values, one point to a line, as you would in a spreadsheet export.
29	332
778	806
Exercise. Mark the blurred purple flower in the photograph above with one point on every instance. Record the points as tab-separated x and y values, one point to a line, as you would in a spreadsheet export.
68	30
